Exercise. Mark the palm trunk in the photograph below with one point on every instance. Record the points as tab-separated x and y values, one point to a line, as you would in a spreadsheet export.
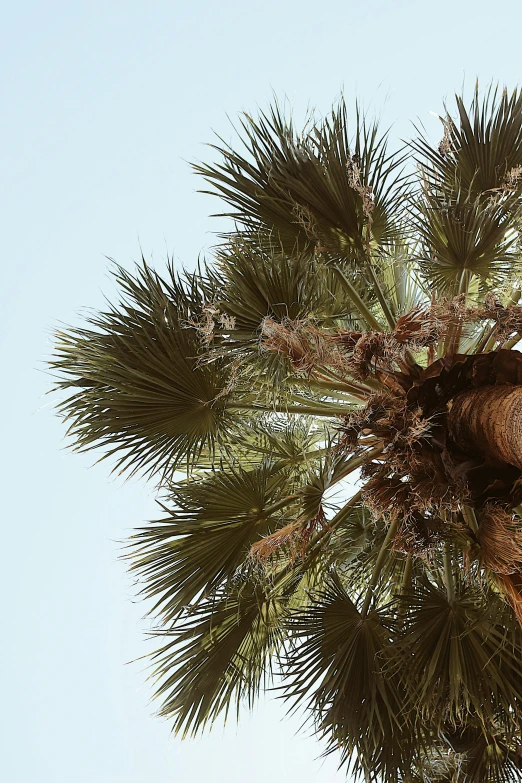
488	422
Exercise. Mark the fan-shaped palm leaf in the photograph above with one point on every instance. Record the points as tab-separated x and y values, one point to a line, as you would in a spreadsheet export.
207	537
337	658
221	652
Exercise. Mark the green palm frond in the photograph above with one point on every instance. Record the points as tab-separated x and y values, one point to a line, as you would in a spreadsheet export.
200	544
221	653
139	387
290	444
336	661
481	147
489	756
255	283
470	208
460	238
246	182
402	280
458	665
316	190
351	538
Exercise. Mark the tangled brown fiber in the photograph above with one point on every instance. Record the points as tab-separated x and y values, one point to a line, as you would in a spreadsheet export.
409	484
421	477
302	342
387	416
510	585
500	539
409	480
361	354
290	541
455	313
210	319
508	319
357	354
420	535
370	351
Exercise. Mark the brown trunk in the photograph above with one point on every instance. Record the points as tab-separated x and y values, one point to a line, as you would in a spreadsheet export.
488	421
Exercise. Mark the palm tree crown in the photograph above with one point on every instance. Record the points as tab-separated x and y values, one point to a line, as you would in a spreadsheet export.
341	391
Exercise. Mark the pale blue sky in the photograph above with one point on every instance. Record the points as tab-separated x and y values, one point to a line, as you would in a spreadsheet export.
102	104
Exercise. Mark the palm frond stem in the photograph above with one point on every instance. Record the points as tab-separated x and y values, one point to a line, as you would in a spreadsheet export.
333	524
470	518
364	388
363	309
448	573
331	389
379	564
509	344
383	301
281	503
404	587
358	461
305	409
482	347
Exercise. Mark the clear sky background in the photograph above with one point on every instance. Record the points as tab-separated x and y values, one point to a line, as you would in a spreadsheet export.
103	103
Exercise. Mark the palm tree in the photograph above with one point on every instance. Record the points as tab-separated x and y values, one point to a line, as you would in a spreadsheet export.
332	409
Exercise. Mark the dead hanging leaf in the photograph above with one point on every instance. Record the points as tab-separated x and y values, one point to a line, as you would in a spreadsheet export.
500	539
302	342
419	327
290	540
511	180
305	218
365	191
509	585
446	144
268	546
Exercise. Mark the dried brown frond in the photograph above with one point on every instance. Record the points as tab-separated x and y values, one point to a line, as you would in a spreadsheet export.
348	339
415	330
291	540
365	191
386	496
419	535
268	546
509	585
418	328
412	477
500	539
302	342
374	418
424	490
387	416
